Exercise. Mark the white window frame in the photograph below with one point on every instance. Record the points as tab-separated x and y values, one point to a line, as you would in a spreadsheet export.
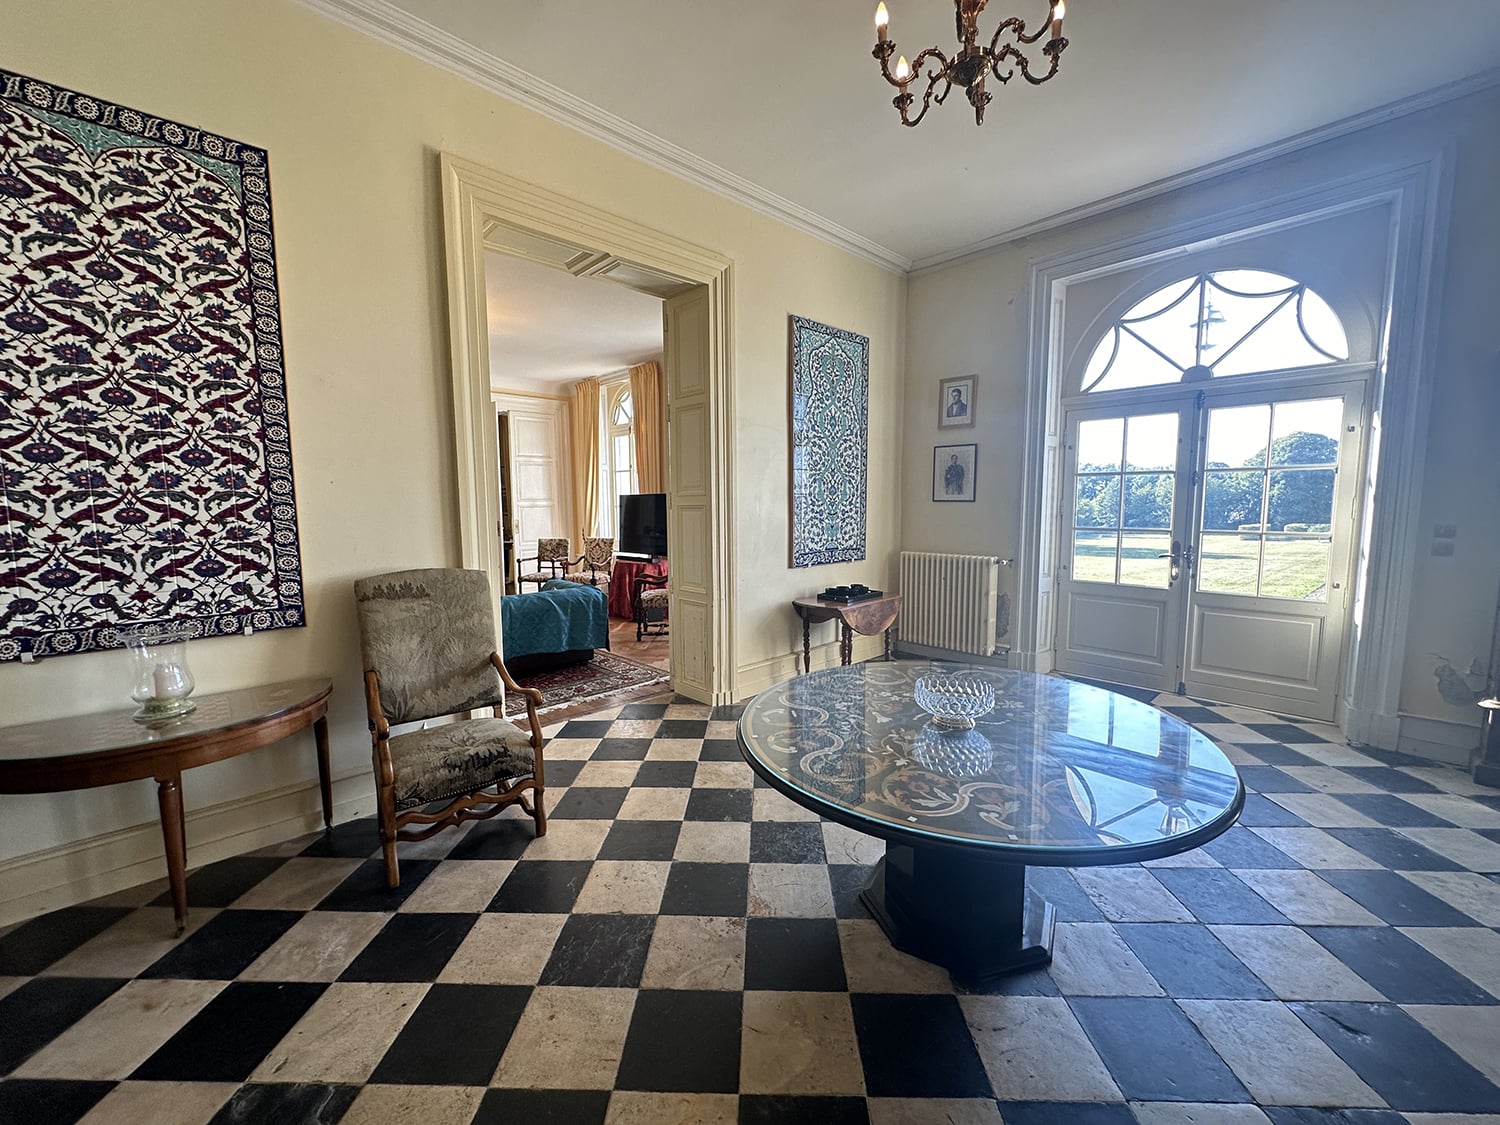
612	392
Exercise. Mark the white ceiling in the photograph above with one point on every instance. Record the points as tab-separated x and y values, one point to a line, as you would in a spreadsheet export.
549	327
779	100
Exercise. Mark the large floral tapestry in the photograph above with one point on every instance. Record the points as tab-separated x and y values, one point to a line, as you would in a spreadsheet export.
830	406
145	463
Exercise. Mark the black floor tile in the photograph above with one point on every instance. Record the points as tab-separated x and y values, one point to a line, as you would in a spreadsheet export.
783	1109
354	839
42	1009
1392	811
1396	900
682	728
302	1102
542	886
33	945
1189	962
1070	901
1275	754
505	837
1262	812
1240	848
219	884
666	775
587	728
719	890
583	802
1065	1113
1391	780
1399	1059
786	842
561	773
1269	779
28	1100
1218	897
228	1039
643	711
727	713
687	1041
224	946
794	955
600	951
455	1037
1197	716
641	839
947	1066
1392	850
1286	732
719	804
543	1107
1315	1115
847	880
1035	982
720	750
1154	1052
621	750
410	947
1398	967
366	889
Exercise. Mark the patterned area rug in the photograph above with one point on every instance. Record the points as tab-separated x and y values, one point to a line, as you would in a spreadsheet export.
601	676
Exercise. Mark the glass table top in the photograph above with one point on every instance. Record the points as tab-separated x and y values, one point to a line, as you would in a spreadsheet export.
1061	771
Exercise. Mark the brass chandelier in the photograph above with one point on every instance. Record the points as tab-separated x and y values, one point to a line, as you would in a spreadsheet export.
972	64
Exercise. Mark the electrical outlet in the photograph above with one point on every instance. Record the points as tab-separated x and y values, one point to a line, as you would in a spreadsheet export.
1445	531
1443	548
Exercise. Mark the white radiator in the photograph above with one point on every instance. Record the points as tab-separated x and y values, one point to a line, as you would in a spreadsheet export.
954	602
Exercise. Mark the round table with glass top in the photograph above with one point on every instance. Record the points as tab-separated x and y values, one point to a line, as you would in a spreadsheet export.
1059	773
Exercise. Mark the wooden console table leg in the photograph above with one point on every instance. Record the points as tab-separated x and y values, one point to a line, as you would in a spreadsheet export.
846	643
888	646
806	647
169	799
325	782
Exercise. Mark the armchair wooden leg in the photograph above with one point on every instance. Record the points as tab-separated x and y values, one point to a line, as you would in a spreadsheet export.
387	799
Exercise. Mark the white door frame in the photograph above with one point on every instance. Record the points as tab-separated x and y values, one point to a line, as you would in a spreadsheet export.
1418	196
486	209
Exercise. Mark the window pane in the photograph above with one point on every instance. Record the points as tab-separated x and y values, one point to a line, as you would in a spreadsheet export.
1148	500
1307	433
1237	436
1295	568
1097	503
1151	442
1139	564
1099	443
1232	500
1301	500
1171	331
1277	344
1094	556
1227	564
1135	365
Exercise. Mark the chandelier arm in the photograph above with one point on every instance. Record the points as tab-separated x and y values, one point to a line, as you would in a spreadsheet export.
904	99
1018	27
884	51
1052	50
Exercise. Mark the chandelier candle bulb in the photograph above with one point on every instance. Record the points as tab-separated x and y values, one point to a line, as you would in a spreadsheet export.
903	70
1059	10
882	22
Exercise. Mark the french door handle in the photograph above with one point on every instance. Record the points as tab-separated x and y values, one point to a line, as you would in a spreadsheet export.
1175	554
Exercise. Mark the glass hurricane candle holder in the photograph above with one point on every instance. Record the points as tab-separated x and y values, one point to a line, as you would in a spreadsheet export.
161	681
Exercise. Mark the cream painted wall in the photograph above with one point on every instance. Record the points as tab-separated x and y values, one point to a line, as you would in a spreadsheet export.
970	316
353	129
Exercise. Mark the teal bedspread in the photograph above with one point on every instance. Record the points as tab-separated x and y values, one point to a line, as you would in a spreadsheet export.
560	617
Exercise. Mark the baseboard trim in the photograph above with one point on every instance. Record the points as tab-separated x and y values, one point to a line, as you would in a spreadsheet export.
1441	739
752	679
82	870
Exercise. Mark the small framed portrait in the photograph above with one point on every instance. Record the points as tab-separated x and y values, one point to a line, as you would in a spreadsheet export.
956	402
953	473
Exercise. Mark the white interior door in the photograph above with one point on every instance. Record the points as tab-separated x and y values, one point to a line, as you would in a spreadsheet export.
541	471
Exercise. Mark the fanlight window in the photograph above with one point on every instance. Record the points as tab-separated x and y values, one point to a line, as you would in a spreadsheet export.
1231	322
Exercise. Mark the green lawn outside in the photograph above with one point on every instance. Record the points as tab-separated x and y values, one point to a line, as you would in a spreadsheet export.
1293	567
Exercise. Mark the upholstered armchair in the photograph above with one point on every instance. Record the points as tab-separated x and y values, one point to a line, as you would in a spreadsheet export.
551	560
428	640
598	559
648	604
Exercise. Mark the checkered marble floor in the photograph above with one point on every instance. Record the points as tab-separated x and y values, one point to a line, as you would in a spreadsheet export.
687	946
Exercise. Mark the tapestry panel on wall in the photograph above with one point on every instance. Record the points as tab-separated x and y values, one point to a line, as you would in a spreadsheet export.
145	462
830	404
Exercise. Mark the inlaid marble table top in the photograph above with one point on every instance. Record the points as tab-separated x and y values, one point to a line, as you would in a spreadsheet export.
1058	773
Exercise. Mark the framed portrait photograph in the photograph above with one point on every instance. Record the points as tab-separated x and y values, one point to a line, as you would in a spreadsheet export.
953	473
956	402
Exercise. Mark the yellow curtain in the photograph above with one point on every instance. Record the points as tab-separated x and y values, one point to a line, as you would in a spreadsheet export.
585	458
648	394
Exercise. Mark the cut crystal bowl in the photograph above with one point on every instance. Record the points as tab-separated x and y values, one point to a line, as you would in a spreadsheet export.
955	699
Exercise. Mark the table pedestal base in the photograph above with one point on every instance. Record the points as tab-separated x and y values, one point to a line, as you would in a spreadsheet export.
973	917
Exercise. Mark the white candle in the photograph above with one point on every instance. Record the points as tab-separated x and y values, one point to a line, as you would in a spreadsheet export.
167	681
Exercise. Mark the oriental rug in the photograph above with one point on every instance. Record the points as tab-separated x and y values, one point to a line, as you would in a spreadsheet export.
602	676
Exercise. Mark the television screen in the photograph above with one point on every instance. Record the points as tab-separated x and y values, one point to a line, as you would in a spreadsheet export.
643	524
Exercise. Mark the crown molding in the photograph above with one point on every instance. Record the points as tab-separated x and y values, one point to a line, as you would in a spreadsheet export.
1427	99
396	28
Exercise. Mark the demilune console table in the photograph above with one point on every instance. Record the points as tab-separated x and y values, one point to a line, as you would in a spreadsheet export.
86	751
866	617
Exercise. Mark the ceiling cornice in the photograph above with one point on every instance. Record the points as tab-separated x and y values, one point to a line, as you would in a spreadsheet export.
1427	99
399	29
